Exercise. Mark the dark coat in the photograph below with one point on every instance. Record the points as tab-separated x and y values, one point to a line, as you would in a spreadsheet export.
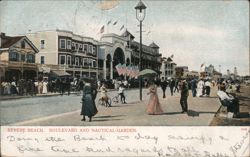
88	105
164	84
184	90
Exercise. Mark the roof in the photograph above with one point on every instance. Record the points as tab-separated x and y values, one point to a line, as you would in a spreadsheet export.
127	33
169	59
10	41
153	45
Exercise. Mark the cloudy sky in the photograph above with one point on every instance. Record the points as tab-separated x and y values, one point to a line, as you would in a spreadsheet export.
215	32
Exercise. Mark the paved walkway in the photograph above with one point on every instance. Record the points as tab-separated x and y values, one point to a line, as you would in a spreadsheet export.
201	112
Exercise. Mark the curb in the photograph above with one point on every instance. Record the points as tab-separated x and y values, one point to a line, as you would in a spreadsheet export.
21	97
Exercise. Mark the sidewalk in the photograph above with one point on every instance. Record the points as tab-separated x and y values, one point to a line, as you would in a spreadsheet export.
13	97
201	113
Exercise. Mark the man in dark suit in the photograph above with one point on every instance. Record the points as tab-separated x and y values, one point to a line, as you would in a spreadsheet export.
171	86
164	85
184	96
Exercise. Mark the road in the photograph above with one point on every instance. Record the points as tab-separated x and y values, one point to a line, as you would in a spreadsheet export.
65	111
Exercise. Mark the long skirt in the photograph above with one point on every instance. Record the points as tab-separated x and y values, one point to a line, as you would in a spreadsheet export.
154	106
199	92
88	106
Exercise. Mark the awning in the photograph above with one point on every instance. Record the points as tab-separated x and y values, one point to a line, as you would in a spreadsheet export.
60	73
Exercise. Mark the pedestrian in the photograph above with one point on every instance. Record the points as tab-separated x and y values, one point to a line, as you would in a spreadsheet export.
67	85
184	96
104	95
200	87
176	85
164	85
40	87
171	86
207	88
154	106
45	85
193	87
88	105
121	93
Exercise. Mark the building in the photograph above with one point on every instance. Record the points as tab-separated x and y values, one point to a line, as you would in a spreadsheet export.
17	58
211	73
192	74
180	71
63	51
115	49
168	68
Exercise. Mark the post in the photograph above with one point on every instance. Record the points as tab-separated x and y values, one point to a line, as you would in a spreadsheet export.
140	62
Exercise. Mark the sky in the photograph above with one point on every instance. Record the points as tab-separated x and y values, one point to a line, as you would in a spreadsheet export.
195	31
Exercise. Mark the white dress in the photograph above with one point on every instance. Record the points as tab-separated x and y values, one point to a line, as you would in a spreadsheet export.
45	87
200	87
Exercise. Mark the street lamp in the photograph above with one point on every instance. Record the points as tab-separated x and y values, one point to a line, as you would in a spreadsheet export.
140	15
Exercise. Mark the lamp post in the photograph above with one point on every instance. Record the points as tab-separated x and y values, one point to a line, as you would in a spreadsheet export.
140	15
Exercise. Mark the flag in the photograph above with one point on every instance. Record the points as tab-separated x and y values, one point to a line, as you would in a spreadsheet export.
202	65
133	71
122	27
129	70
115	22
172	56
109	22
119	68
124	69
102	29
136	71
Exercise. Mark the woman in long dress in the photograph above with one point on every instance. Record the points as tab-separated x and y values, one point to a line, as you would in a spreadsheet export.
88	104
45	84
200	87
154	106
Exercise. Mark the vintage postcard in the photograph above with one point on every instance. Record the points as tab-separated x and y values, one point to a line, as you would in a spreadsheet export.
125	78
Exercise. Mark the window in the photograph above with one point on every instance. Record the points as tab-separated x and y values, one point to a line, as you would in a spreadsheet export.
69	60
23	57
23	44
68	44
90	62
85	62
85	48
94	63
42	43
62	59
80	47
31	58
63	43
77	61
90	49
76	46
42	60
13	56
94	50
73	45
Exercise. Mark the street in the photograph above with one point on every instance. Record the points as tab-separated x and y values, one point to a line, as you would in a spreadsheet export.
65	111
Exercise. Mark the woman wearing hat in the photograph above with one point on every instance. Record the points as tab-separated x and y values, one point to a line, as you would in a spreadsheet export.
88	104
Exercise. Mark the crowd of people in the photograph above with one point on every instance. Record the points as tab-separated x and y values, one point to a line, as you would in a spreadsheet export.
200	88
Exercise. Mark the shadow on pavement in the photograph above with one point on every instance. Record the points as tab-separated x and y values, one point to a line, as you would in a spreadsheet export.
110	116
243	115
171	113
120	105
103	120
